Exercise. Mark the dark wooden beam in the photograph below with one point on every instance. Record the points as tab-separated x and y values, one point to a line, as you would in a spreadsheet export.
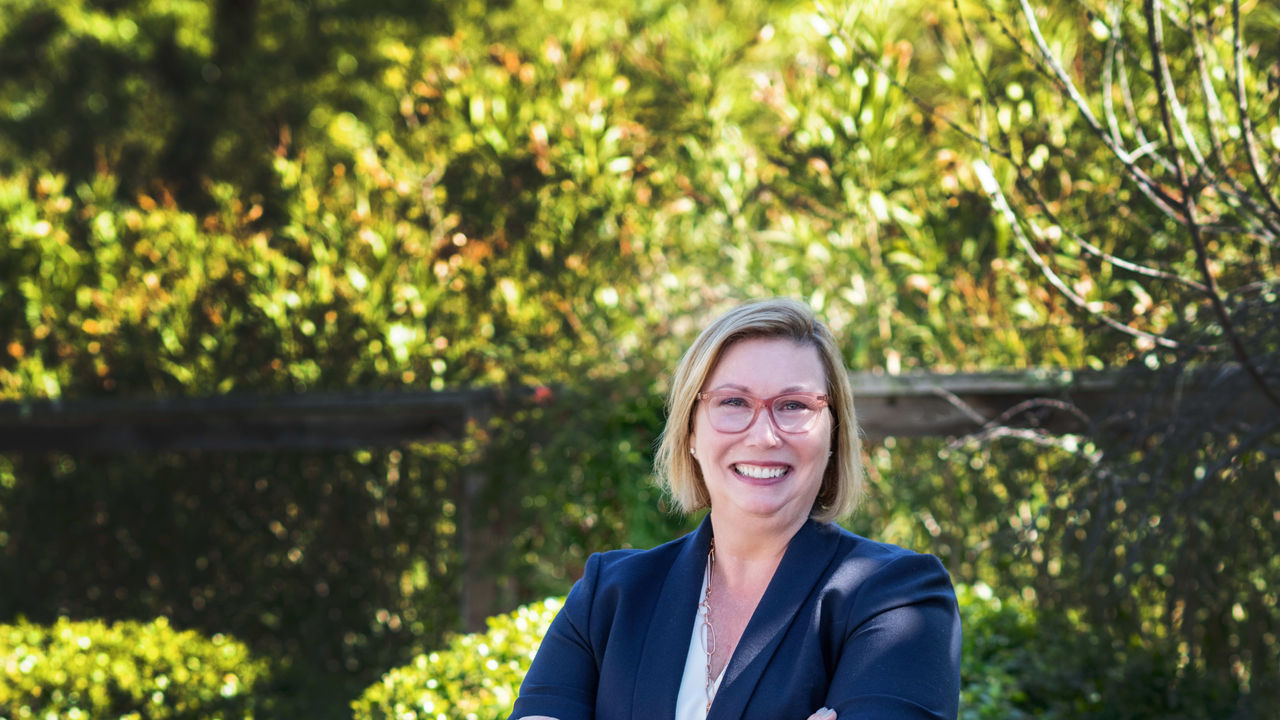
937	405
248	423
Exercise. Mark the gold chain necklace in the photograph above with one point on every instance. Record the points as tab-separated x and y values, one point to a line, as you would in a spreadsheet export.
708	634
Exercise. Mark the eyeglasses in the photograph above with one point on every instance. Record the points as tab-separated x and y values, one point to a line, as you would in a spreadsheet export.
731	411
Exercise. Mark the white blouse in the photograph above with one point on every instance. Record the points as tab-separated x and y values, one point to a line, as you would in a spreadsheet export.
691	703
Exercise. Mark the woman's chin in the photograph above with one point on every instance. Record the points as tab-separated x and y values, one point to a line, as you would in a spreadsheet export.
769	510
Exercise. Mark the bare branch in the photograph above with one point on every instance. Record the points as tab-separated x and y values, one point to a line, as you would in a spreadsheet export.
1155	35
1260	223
1113	53
1127	158
1215	118
996	428
1043	203
1067	443
1131	108
992	188
1038	403
969	49
1213	115
1179	114
1250	441
1146	183
1246	123
988	86
1131	266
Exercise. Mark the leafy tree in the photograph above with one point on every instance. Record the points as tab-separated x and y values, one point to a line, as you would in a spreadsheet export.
171	95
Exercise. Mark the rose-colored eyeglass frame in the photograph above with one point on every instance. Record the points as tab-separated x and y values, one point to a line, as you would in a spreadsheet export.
822	399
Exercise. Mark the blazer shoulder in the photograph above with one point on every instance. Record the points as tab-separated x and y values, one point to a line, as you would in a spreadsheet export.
630	566
853	546
859	559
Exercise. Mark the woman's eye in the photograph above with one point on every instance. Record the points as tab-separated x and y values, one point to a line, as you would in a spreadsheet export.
793	405
733	402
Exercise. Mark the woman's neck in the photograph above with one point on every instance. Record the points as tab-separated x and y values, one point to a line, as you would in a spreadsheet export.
747	554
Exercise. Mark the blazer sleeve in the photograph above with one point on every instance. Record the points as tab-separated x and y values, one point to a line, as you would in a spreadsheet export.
561	682
901	657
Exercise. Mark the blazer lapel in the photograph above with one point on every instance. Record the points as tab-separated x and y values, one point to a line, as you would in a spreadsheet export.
803	565
666	642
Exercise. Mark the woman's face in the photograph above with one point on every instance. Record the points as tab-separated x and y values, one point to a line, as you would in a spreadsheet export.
762	473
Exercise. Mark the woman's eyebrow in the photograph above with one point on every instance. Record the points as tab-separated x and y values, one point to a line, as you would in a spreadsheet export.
731	386
742	388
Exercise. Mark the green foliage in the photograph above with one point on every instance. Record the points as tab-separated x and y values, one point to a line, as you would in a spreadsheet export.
1030	524
1019	663
88	669
173	94
999	637
533	199
476	677
583	457
106	297
334	565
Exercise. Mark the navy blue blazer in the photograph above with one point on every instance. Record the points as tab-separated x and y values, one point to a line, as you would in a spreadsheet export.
867	629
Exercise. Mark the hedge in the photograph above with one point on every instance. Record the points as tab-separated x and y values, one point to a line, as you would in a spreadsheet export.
476	677
127	670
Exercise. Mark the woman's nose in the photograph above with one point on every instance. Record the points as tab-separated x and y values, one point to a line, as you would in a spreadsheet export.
762	430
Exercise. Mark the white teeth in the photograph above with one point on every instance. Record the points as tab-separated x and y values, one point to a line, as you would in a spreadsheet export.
760	473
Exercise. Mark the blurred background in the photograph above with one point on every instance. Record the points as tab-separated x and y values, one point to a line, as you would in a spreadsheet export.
509	218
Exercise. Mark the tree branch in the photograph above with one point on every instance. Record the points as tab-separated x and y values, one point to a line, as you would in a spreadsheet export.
1246	123
1145	182
1260	222
1131	109
1115	58
1098	252
1214	120
1155	35
989	184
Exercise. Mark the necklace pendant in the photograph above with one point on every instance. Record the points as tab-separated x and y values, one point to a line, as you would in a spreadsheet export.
708	634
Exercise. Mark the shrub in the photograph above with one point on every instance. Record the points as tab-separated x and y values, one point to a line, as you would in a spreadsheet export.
92	669
998	635
1022	663
475	678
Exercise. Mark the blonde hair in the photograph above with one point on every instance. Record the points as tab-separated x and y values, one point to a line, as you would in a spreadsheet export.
675	470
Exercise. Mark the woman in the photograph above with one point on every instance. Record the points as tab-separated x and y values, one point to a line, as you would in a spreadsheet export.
768	611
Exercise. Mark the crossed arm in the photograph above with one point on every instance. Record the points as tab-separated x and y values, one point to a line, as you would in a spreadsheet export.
821	714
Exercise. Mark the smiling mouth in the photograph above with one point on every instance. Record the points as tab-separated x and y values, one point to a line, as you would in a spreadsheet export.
761	472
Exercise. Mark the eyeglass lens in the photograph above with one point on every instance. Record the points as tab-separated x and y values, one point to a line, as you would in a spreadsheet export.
791	413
